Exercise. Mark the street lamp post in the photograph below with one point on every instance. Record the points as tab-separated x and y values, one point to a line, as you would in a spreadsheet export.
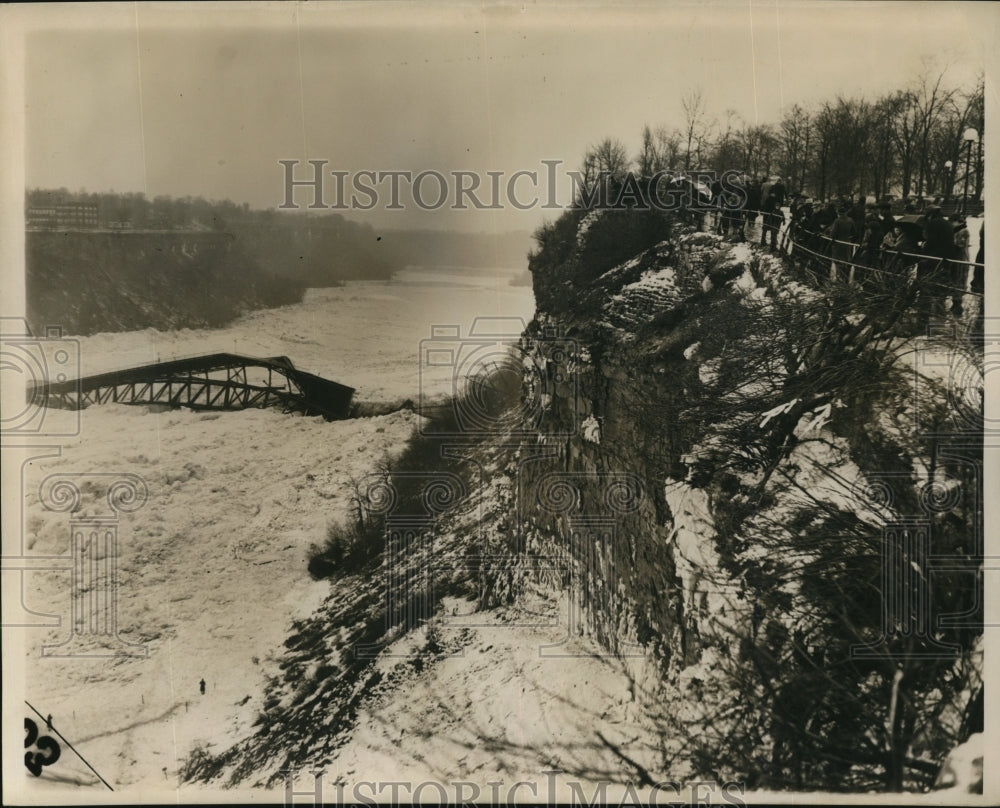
949	181
970	136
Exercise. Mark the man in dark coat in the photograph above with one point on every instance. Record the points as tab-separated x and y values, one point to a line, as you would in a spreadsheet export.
773	215
978	275
801	212
939	238
857	213
871	241
816	225
732	214
885	217
737	202
978	287
932	272
716	189
827	215
843	233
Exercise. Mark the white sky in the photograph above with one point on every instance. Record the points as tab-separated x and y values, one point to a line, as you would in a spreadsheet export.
169	100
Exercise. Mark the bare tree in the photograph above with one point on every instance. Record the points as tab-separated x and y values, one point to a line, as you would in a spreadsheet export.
646	159
611	158
757	144
795	132
727	152
883	156
918	112
843	131
696	125
668	148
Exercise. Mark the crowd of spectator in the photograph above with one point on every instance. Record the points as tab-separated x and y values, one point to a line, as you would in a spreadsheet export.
861	240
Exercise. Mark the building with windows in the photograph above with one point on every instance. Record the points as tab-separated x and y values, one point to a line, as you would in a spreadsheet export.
68	216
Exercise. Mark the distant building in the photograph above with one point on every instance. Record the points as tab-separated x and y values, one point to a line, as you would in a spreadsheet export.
69	216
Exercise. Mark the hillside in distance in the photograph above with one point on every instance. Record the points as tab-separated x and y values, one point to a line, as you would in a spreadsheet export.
91	282
113	262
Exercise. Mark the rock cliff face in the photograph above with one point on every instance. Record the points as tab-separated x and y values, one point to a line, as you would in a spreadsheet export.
723	461
611	445
714	431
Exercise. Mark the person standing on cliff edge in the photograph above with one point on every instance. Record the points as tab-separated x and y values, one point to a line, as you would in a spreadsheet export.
842	234
773	214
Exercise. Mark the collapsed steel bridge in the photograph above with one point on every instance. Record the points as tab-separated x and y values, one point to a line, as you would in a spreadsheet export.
219	381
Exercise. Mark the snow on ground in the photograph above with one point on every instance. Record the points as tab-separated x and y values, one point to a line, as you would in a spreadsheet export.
739	253
654	292
212	571
519	698
651	282
213	567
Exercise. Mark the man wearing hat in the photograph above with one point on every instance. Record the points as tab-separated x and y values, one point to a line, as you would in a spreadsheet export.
939	240
885	216
933	274
843	232
774	198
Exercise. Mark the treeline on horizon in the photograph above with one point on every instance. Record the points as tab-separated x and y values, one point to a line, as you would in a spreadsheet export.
189	262
898	144
316	249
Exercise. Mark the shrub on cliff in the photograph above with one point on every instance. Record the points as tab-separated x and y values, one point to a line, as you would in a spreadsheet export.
582	245
492	396
831	478
808	651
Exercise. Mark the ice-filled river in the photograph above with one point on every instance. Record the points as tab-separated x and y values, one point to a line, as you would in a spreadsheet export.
367	334
211	568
